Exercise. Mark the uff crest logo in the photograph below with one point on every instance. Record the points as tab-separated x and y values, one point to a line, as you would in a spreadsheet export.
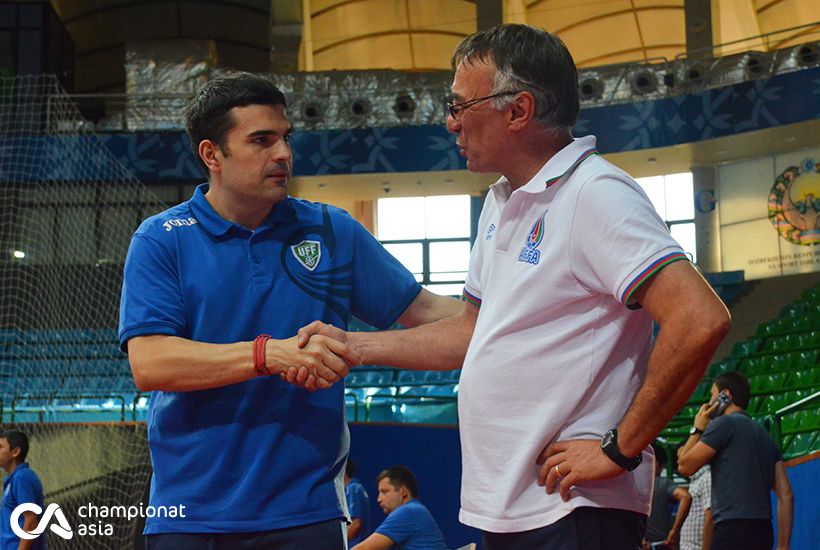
308	253
530	253
61	528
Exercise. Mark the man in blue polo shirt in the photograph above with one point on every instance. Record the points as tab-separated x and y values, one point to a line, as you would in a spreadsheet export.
214	290
20	486
409	524
358	506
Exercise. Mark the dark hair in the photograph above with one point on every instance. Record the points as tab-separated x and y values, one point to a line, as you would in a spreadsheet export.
532	60
17	440
208	116
738	386
350	467
400	476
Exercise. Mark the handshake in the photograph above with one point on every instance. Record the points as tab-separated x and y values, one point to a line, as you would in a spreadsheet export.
316	358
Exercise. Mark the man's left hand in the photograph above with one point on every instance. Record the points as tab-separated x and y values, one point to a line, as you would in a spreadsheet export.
578	461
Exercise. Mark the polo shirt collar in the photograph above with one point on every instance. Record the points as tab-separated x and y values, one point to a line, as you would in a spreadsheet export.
281	213
19	467
556	167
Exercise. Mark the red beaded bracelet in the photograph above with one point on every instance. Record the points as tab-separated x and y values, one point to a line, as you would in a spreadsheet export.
259	357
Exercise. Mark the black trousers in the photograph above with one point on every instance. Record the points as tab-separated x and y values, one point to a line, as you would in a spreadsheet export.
327	535
585	528
749	534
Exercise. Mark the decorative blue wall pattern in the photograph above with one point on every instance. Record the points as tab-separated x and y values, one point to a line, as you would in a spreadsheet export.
755	105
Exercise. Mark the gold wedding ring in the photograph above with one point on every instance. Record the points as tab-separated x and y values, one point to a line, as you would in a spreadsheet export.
558	471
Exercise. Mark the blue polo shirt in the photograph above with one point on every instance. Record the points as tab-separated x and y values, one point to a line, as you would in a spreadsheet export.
21	486
412	527
358	506
262	454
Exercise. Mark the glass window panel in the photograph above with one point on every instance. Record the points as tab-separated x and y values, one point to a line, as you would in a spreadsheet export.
684	233
400	218
75	228
655	189
36	239
448	276
409	254
449	256
446	290
680	200
116	222
447	216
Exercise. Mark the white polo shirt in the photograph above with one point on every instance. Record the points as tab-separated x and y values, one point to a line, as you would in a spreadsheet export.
556	353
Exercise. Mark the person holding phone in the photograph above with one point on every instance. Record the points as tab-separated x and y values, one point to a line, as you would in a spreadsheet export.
746	465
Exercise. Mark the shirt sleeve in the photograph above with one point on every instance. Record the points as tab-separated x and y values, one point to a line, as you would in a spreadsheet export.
706	489
617	239
151	296
28	489
383	288
718	433
355	503
399	526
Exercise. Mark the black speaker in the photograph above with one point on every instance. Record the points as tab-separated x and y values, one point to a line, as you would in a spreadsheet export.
754	64
360	107
644	82
404	106
312	111
591	89
806	55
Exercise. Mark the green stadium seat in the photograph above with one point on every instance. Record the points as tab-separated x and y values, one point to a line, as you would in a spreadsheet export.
781	344
793	310
811	295
701	393
775	327
790	423
747	347
801	444
726	365
768	383
809	420
801	379
773	402
751	366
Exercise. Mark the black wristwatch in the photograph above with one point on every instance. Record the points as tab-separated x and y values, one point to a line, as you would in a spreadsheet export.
609	444
695	430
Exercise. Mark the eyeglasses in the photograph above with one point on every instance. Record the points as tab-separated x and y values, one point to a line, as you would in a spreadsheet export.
456	109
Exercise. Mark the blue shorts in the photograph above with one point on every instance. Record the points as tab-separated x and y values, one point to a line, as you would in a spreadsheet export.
328	535
586	528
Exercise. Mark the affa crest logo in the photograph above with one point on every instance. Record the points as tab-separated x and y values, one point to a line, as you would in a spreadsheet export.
308	253
60	528
530	253
794	204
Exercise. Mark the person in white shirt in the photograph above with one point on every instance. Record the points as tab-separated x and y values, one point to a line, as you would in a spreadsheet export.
561	390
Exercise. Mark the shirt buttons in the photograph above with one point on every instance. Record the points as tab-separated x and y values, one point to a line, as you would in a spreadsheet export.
257	260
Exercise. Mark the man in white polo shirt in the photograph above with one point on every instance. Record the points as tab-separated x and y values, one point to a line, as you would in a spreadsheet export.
561	390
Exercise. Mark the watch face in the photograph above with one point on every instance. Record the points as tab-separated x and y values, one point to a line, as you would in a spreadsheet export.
607	440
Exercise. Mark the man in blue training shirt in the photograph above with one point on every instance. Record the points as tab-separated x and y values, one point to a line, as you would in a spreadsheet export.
409	524
214	291
20	486
358	506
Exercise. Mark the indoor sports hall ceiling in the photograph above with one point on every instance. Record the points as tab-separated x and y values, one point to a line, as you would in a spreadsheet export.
414	35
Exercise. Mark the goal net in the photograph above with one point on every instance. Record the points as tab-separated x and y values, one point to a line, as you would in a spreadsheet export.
67	211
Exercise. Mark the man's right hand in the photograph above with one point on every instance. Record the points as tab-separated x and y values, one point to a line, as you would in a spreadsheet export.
318	364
